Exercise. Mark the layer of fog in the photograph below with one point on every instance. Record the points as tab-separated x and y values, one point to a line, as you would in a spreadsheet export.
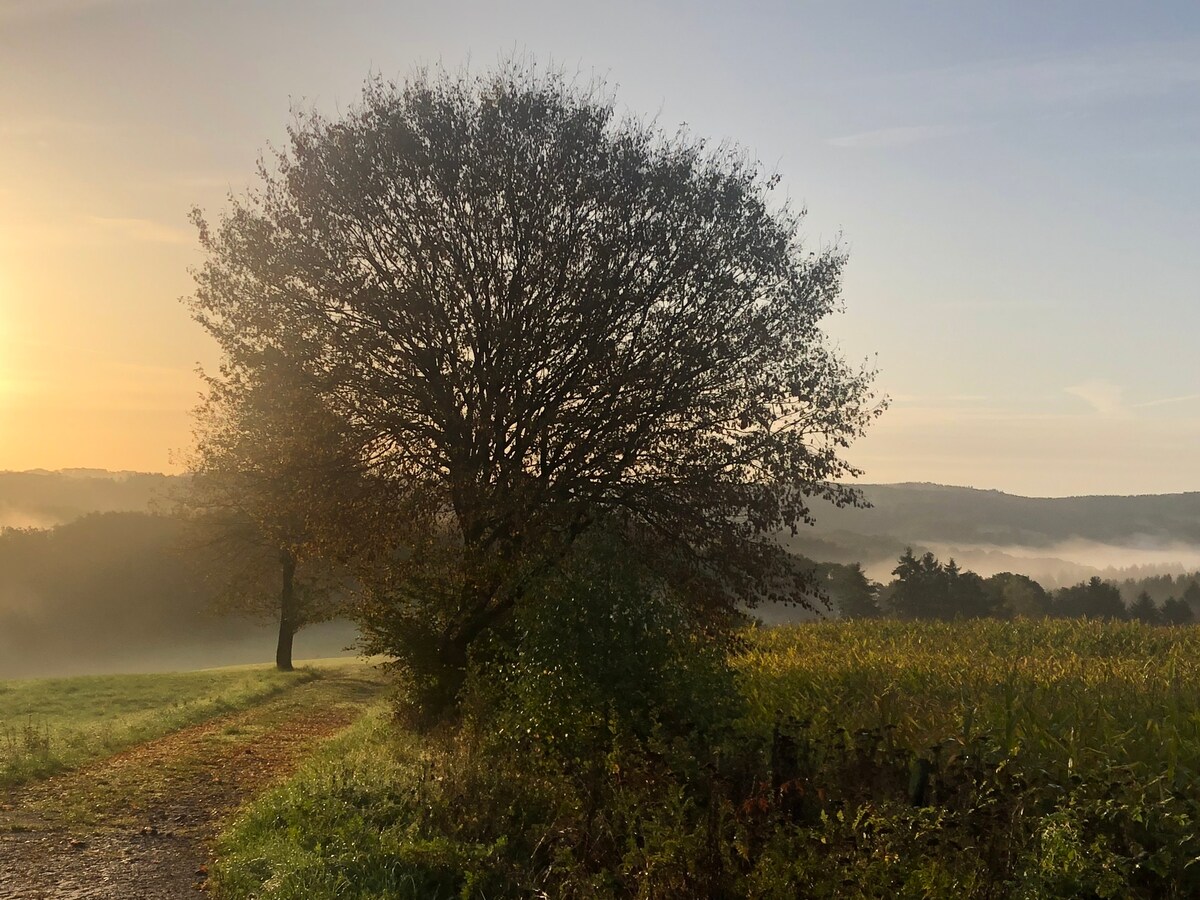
126	592
254	644
1061	564
12	517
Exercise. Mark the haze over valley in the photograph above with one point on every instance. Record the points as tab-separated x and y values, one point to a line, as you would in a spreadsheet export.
1057	541
116	564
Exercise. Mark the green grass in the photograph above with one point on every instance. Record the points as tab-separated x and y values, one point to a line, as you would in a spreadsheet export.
52	724
328	831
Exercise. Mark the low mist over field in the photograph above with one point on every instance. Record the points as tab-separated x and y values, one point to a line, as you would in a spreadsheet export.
202	648
42	499
1075	560
1056	565
107	584
110	588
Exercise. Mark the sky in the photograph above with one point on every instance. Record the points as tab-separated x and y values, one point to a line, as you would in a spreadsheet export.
1017	184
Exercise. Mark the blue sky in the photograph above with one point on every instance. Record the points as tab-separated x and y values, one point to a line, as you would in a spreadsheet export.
1017	183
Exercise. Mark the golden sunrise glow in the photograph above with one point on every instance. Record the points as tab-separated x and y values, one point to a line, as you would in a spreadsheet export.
1028	341
6	386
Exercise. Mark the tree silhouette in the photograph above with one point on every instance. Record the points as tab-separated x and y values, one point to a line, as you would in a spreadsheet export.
1177	612
1017	595
1144	609
854	593
275	484
542	319
924	588
1094	598
1191	596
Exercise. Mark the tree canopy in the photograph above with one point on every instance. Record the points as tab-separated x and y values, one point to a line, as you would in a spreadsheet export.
274	481
925	588
1094	598
541	318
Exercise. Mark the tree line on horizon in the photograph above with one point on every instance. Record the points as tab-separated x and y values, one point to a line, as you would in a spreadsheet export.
924	588
109	585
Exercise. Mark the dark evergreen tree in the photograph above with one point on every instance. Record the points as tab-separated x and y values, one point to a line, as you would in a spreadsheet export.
1177	612
924	588
1191	596
1143	609
1095	598
854	594
967	596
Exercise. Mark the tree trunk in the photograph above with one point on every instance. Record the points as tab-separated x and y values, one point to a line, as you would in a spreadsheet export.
448	680
443	690
288	623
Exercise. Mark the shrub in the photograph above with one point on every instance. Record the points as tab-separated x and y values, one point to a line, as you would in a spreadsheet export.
601	650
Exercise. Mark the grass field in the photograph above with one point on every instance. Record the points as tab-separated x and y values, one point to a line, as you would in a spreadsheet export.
980	759
48	725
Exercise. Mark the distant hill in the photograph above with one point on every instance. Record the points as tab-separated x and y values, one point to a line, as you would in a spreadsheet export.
941	513
1056	540
42	499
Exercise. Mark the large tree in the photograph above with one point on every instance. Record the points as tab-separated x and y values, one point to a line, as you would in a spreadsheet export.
545	318
1015	595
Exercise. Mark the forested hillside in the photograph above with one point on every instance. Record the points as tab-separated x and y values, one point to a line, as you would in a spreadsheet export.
1057	540
41	499
940	513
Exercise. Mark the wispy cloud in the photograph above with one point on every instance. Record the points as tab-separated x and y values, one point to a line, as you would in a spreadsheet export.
1106	398
953	411
1079	79
902	136
1102	396
1185	398
1137	70
975	304
144	230
940	401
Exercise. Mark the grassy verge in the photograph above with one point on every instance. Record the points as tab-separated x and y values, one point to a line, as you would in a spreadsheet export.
337	828
49	725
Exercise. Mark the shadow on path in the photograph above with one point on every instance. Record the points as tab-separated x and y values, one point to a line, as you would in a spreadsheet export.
139	824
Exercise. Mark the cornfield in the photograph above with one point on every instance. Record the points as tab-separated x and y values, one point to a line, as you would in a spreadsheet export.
1077	694
1024	759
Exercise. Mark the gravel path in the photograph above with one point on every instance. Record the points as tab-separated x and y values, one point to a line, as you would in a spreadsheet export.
137	826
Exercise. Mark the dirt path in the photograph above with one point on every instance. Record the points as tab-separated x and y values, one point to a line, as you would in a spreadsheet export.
137	826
